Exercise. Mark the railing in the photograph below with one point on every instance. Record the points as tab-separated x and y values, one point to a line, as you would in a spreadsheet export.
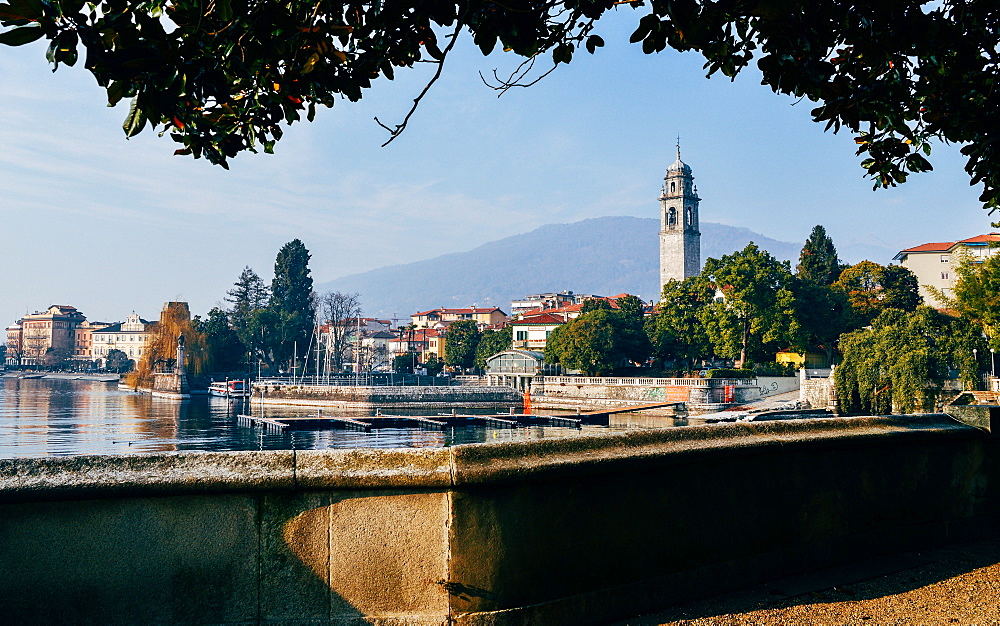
363	380
646	382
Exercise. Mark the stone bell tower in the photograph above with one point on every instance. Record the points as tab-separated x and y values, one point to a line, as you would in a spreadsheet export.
680	239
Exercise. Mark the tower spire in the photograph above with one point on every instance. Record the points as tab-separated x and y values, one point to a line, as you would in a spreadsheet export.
678	147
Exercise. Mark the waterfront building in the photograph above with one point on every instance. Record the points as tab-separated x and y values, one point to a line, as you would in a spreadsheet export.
131	337
83	341
680	237
53	329
441	317
531	332
14	348
934	263
516	368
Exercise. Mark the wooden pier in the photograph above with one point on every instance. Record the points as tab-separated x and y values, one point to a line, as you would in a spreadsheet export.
321	421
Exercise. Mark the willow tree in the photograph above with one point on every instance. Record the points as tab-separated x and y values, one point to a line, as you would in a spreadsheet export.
160	353
900	363
977	295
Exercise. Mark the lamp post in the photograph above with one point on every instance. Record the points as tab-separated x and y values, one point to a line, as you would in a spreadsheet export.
975	358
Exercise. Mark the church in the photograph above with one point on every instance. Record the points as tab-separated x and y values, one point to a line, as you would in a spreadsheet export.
680	239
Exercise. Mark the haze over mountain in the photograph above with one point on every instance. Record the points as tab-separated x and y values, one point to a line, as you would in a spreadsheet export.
604	256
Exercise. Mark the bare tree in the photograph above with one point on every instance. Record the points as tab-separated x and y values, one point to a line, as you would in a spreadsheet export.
340	311
35	345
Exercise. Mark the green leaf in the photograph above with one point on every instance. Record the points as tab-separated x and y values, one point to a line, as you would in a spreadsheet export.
116	91
225	9
21	36
135	120
594	42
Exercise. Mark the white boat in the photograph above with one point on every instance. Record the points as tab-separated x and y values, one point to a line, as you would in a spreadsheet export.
230	389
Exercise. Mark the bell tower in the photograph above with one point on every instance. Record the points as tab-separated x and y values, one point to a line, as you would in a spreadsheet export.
680	239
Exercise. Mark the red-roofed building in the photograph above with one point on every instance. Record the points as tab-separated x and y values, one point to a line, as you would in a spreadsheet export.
532	331
484	316
934	263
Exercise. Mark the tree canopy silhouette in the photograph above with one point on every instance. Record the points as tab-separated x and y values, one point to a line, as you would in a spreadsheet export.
221	77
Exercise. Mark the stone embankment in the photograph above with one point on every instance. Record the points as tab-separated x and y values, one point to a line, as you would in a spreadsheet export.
483	397
557	531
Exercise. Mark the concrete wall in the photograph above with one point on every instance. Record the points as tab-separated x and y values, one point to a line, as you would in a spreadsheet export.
375	396
820	393
564	531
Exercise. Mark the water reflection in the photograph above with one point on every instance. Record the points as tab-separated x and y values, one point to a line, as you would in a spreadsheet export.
53	417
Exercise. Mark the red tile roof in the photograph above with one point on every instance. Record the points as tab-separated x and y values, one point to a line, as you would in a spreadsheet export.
458	311
982	238
943	246
541	318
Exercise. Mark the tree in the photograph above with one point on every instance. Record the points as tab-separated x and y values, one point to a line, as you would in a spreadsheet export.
676	331
248	296
595	304
493	342
160	354
291	302
55	358
118	362
818	262
597	343
901	362
873	288
225	351
338	310
824	313
461	342
977	295
757	312
433	365
632	309
221	78
403	363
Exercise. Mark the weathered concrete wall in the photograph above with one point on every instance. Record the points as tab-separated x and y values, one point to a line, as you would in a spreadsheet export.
567	531
820	393
386	397
774	385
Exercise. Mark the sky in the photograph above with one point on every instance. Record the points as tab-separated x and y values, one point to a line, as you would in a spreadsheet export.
111	226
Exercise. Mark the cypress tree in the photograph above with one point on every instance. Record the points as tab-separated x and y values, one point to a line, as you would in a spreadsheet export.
292	301
818	260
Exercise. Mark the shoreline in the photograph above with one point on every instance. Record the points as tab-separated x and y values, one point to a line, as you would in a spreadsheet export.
101	378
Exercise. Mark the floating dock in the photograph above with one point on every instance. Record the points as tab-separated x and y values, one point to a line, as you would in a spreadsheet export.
321	421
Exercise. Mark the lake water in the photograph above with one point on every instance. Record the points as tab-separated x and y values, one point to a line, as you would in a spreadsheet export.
55	417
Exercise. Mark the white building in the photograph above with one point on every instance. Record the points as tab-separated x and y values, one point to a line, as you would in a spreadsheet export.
131	337
934	263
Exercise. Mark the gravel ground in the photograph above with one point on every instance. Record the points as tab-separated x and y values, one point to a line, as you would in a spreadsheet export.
955	585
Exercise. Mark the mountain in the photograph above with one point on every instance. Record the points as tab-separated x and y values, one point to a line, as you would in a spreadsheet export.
603	255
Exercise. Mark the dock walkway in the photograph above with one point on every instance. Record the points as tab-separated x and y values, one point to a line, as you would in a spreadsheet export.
441	421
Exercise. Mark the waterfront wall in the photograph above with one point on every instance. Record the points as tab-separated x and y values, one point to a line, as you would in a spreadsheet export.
390	397
697	393
557	531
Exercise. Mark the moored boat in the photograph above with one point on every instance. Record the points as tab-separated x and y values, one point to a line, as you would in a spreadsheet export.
230	389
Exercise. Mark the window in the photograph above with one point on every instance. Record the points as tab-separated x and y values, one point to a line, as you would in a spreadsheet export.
522	335
673	187
944	275
945	258
672	217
